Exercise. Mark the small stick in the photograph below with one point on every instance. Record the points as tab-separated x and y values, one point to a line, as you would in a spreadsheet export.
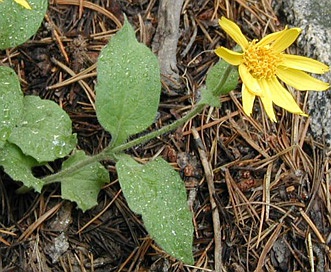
215	214
266	199
310	252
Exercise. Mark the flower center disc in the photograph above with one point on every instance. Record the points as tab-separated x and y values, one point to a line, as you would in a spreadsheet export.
261	61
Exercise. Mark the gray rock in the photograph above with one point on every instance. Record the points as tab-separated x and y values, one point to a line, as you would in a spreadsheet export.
314	18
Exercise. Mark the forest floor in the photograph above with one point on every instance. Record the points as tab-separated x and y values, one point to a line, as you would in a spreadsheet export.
272	180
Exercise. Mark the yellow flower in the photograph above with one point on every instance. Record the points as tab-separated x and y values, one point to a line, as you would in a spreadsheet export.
23	3
263	62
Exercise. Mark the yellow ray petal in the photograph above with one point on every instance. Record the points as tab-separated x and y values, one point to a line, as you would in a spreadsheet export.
304	64
282	98
23	3
233	30
300	80
229	56
250	82
247	100
286	39
270	38
267	100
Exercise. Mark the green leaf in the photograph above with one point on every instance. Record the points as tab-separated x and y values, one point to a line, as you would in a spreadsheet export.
156	191
128	87
44	132
18	166
11	102
222	78
18	24
83	185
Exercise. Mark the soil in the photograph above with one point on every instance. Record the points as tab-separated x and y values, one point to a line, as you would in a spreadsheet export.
271	180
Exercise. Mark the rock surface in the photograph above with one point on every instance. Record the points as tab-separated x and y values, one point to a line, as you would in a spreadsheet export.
314	18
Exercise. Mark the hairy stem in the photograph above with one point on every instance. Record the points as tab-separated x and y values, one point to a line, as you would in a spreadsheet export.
75	167
110	152
196	110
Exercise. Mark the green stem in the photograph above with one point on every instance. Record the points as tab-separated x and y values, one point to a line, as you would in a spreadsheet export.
75	167
196	110
110	152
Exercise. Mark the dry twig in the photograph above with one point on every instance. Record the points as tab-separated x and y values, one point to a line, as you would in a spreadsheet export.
215	213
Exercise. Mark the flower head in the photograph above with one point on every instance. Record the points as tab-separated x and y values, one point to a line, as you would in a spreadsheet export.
262	63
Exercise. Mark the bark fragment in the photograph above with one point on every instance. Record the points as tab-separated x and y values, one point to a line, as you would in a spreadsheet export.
166	39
